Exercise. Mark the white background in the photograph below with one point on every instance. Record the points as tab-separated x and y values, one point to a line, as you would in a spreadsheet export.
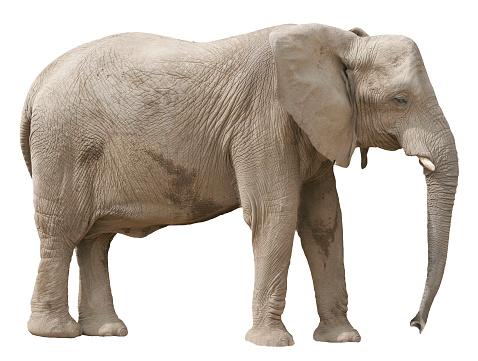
185	292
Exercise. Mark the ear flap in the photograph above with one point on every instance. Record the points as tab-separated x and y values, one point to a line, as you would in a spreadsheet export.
313	88
359	31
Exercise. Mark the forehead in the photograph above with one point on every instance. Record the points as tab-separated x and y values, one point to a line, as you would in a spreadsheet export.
395	52
395	64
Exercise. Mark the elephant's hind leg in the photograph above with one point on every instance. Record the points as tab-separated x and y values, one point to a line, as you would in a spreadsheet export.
50	316
97	315
320	230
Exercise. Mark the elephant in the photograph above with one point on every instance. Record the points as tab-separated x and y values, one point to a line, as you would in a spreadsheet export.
134	132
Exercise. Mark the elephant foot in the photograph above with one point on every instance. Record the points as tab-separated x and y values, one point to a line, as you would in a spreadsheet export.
52	325
343	332
269	336
108	327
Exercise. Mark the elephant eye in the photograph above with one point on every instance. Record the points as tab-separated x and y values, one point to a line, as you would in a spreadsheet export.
400	101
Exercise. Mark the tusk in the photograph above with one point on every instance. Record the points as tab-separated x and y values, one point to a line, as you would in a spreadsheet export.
427	163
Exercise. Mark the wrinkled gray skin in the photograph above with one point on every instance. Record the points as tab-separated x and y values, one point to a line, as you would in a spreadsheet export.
134	132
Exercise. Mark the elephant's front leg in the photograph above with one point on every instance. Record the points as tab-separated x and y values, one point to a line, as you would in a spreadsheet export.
320	230
272	244
270	195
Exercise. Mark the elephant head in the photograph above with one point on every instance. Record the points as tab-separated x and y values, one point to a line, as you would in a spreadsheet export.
346	89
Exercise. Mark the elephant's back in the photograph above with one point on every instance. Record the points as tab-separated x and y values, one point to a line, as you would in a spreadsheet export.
118	81
121	53
109	54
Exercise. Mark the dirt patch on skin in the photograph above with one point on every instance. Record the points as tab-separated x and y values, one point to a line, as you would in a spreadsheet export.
169	165
92	152
181	190
324	234
206	206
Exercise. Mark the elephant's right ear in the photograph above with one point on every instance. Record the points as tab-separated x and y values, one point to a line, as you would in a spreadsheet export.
314	86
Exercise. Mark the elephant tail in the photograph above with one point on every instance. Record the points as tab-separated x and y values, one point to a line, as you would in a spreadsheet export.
25	132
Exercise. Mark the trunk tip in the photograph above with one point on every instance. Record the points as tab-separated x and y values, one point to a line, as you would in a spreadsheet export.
418	322
417	325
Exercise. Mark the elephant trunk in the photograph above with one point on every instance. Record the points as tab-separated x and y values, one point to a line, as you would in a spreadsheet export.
440	198
438	156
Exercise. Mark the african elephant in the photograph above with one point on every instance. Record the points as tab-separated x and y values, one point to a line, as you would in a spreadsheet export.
134	132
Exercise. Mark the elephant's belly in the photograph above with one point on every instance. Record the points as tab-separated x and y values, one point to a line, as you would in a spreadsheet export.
140	225
142	207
